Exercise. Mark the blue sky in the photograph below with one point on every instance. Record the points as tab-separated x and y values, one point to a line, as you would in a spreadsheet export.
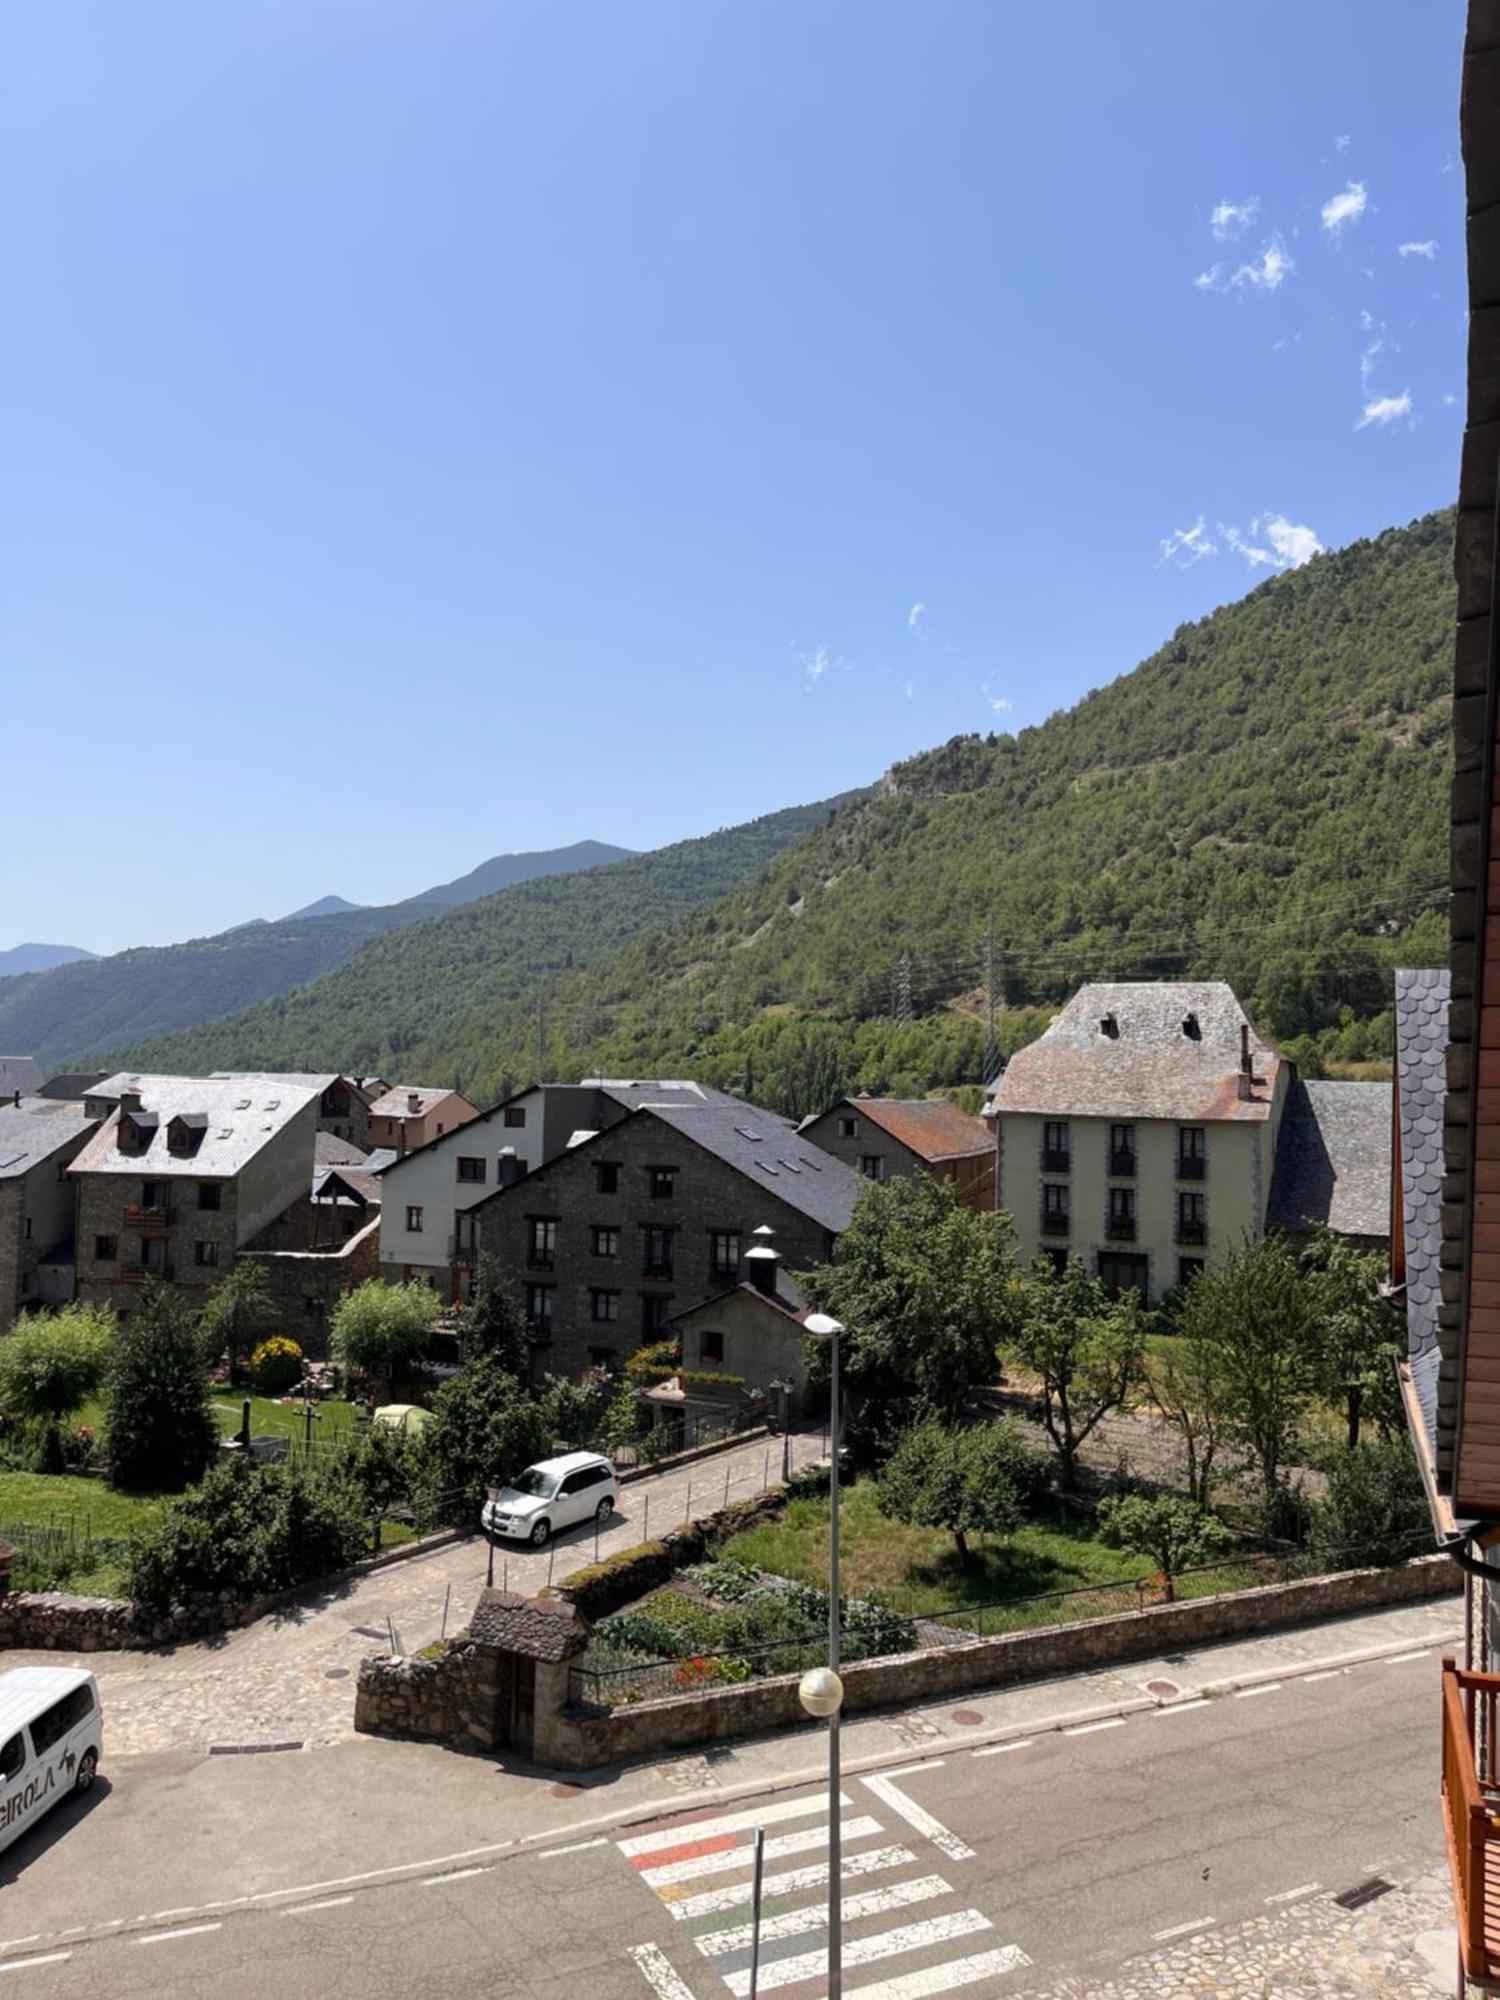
440	428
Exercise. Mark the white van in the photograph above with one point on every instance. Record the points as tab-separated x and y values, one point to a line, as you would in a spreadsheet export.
49	1741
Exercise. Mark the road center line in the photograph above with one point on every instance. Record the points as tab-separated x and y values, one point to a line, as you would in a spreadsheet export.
577	1847
915	1816
999	1749
328	1903
458	1875
659	1973
1182	1930
170	1937
1328	1674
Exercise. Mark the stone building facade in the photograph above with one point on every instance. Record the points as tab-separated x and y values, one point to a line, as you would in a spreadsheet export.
885	1137
39	1140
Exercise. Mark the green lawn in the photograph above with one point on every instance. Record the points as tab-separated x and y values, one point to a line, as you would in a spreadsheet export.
56	1518
271	1418
917	1570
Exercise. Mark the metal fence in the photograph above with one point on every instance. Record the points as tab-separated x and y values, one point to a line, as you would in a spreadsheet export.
61	1547
607	1678
686	1433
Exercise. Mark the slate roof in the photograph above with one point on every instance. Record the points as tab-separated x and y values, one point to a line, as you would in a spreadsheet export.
540	1628
72	1084
1421	1080
648	1093
355	1187
318	1080
331	1151
242	1114
1333	1159
33	1130
767	1150
1152	1067
19	1073
931	1127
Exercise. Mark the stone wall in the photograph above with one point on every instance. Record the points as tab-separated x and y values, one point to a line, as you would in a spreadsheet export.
455	1697
306	1286
50	1620
582	1738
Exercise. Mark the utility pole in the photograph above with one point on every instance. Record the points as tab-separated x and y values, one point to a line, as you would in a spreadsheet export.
991	1003
903	990
541	1037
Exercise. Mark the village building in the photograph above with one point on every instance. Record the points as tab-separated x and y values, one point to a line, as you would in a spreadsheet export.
343	1104
407	1116
39	1140
884	1137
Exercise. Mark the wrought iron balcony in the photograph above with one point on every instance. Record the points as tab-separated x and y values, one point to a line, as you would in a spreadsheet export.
1191	1166
1120	1229
1192	1232
462	1250
1122	1162
1056	1160
136	1274
1054	1225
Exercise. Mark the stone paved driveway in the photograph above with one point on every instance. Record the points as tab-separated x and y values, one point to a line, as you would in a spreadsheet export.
290	1677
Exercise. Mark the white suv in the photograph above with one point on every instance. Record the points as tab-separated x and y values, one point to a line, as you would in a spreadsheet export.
557	1493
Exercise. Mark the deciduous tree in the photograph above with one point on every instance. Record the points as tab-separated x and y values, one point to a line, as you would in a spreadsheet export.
1176	1534
380	1329
1085	1347
50	1364
980	1480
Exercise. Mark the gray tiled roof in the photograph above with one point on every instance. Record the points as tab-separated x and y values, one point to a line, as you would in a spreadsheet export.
541	1628
34	1129
1421	1063
767	1150
1333	1159
242	1115
1152	1067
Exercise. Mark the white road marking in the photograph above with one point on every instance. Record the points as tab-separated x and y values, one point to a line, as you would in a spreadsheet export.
1291	1895
328	1903
1181	1930
577	1847
1328	1674
182	1910
742	1857
863	1951
1088	1728
936	1979
1267	1687
24	1964
916	1816
999	1749
170	1937
740	1822
458	1875
658	1974
735	1897
792	1923
11	1944
1400	1659
1178	1707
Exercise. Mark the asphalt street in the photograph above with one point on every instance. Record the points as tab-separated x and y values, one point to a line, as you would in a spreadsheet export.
983	1869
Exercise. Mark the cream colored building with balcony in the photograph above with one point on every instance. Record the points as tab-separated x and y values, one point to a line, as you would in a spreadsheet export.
1139	1133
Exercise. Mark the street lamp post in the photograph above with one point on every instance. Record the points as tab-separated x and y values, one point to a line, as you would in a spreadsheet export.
822	1691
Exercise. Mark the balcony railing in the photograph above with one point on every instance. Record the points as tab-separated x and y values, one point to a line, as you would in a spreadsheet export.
136	1274
1120	1229
1122	1162
540	1260
1471	1794
656	1267
462	1250
139	1217
1190	1166
1056	1160
1054	1225
1192	1232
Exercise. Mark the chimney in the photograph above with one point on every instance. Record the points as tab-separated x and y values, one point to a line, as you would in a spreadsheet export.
1245	1086
510	1167
762	1261
414	1102
129	1100
18	1100
1244	1050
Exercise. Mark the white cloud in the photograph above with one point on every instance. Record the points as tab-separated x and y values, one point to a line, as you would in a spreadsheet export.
1427	249
815	664
1256	557
1186	546
1270	270
1294	545
1341	143
1001	703
1345	207
1233	218
1386	410
1450	401
914	616
909	688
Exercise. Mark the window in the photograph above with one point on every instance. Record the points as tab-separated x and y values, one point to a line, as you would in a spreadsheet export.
606	1241
1054	1210
26	1232
539	1310
106	1249
604	1307
656	1252
471	1169
414	1221
872	1166
153	1253
1057	1258
1109	1027
587	1476
1124	1271
154	1195
1056	1148
656	1310
1188	1268
607	1176
1122	1149
515	1117
710	1347
1192	1152
53	1724
12	1758
210	1195
1120	1225
724	1252
661	1180
206	1256
848	1128
1192	1220
541	1241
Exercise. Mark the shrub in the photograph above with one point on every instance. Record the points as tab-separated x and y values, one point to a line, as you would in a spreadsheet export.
1374	1510
247	1530
980	1480
380	1329
161	1432
276	1365
485	1429
49	1364
1176	1534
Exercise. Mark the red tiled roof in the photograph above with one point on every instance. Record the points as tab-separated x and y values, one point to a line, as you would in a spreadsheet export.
932	1127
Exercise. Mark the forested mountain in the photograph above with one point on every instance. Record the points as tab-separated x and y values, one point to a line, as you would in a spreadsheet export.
503	869
325	906
1264	800
38	958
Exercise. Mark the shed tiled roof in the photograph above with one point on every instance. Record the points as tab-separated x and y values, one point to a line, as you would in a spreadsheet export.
1421	1080
1333	1159
1152	1067
540	1628
932	1127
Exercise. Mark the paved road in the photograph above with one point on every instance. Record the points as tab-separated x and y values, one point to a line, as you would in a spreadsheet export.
290	1678
1041	1863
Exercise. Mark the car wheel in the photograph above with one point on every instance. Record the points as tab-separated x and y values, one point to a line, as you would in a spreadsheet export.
540	1533
88	1765
603	1511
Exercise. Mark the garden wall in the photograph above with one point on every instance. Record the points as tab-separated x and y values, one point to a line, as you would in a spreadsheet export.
582	1739
455	1697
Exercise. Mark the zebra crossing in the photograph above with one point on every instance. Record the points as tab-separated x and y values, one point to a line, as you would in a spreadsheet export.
701	1871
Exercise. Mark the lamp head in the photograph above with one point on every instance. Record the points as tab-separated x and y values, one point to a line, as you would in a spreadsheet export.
821	1692
822	1326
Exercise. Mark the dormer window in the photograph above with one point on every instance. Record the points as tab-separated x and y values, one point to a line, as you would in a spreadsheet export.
1110	1027
1191	1028
137	1130
185	1133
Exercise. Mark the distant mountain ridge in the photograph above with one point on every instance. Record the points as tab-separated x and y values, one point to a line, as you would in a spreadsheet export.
325	906
501	870
40	958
